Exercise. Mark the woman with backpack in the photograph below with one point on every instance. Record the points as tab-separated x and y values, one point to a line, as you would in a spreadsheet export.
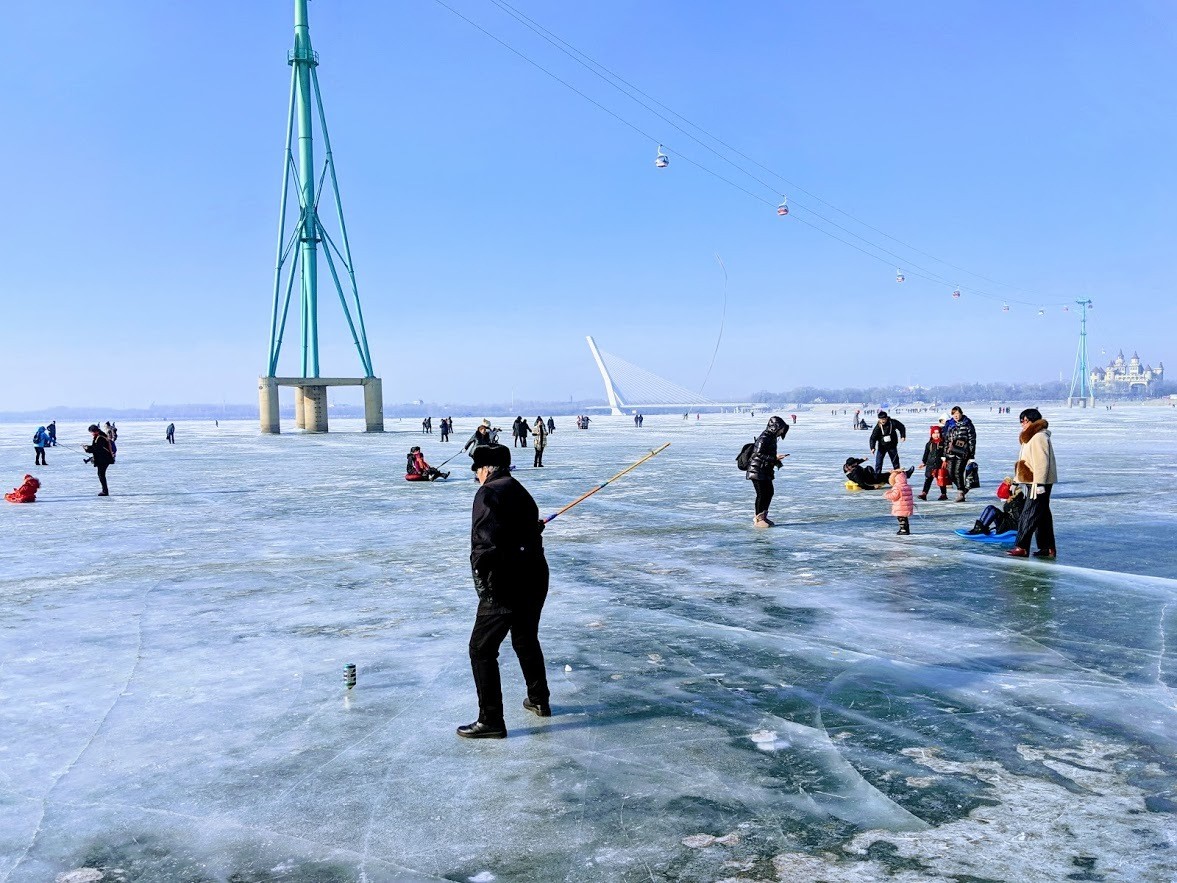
762	466
41	440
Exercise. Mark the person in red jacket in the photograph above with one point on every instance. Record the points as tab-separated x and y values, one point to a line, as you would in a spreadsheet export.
26	493
416	469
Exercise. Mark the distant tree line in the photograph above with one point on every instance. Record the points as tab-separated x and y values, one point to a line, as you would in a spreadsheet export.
902	395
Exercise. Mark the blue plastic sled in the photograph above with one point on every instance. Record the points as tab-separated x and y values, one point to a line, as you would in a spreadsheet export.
1008	537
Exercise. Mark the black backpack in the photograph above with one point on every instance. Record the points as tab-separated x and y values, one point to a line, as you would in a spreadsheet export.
744	458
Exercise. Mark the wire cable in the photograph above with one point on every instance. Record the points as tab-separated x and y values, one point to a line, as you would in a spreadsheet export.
613	78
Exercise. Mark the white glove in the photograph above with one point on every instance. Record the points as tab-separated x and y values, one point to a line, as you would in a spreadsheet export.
1041	489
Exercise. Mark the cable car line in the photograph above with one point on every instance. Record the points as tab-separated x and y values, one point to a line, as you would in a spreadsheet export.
592	65
927	274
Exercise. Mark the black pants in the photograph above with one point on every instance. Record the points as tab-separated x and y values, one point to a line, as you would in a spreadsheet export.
764	492
1037	519
538	459
102	467
491	626
956	472
39	457
879	454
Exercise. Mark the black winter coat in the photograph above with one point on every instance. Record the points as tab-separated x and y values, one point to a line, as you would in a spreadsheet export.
506	549
762	466
100	450
932	458
962	440
894	430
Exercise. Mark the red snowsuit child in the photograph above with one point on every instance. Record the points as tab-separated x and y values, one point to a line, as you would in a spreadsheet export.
26	493
901	501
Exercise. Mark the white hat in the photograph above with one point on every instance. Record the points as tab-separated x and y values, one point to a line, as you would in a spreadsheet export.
486	423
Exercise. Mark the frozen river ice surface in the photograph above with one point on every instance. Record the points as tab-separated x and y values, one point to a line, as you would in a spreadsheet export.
820	701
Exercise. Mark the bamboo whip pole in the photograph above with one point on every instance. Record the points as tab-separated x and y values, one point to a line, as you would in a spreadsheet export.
588	494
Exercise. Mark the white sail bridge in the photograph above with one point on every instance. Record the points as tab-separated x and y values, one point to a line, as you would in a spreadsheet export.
630	388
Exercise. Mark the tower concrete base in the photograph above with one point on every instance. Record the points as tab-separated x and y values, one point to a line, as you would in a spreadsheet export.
310	402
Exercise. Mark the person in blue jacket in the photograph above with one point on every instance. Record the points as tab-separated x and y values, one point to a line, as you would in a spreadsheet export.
40	441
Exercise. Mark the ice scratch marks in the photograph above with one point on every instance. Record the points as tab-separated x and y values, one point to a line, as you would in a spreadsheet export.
138	617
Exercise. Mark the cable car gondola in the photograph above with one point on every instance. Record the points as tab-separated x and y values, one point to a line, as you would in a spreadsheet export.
661	160
899	277
1005	308
783	208
956	294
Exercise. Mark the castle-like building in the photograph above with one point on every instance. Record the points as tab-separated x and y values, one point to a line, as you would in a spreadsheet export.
1127	378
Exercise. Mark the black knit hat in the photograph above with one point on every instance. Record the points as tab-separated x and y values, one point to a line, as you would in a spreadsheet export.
498	456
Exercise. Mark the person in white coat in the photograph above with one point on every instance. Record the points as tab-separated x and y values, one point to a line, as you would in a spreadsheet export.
1036	468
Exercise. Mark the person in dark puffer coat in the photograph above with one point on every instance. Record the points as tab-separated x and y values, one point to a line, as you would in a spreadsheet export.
763	466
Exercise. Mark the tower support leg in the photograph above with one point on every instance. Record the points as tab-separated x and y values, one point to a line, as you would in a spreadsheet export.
267	394
373	405
314	408
300	421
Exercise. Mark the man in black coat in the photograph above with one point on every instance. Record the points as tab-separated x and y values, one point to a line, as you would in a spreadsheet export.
762	468
884	440
511	579
101	455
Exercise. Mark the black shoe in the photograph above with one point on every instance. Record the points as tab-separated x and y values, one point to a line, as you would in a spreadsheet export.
908	471
479	730
540	708
104	493
1045	553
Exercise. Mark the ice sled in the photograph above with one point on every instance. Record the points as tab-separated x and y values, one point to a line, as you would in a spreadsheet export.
1008	537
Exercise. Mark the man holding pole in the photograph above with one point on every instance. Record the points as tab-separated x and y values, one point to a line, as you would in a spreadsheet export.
511	579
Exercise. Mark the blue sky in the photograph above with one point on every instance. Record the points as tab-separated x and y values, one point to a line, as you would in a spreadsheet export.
497	217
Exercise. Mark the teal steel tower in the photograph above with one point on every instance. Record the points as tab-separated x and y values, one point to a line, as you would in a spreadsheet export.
298	256
1081	392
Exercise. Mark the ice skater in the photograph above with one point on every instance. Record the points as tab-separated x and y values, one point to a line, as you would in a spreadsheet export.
170	434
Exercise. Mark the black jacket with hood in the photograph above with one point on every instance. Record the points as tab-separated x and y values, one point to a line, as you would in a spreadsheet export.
764	463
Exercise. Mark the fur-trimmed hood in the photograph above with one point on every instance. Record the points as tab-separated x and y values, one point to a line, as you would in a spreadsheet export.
1032	430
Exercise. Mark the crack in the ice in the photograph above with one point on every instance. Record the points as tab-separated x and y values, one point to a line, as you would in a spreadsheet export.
1161	652
388	778
44	800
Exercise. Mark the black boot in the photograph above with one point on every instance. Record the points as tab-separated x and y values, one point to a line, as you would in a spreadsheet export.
480	730
977	529
904	527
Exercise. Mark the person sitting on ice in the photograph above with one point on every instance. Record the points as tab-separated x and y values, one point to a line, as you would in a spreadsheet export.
416	469
993	520
865	476
26	493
